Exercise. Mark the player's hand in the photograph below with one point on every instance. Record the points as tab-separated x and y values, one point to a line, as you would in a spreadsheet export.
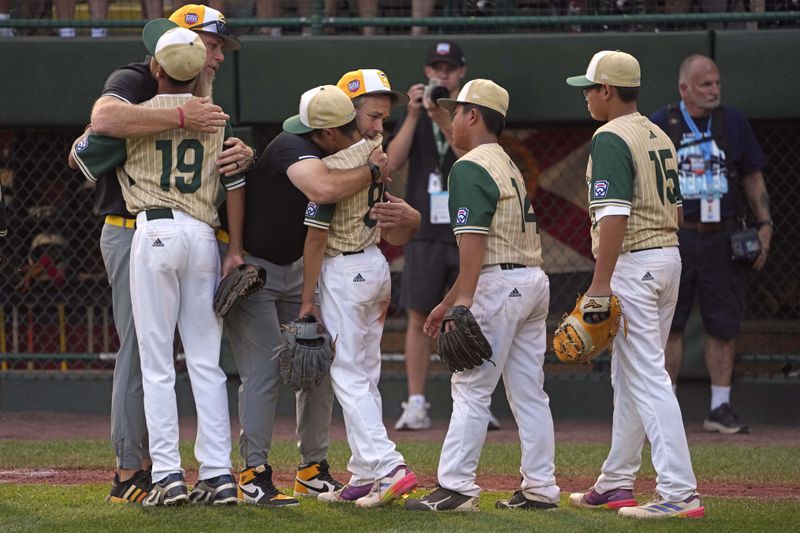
231	261
199	114
765	236
236	157
309	308
393	212
379	157
415	95
434	320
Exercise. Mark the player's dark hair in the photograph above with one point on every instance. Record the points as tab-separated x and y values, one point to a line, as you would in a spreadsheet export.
495	122
628	94
178	83
348	129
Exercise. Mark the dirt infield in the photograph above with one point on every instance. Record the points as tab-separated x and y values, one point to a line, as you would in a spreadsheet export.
55	426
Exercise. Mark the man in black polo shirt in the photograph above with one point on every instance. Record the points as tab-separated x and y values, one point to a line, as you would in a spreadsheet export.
288	174
116	114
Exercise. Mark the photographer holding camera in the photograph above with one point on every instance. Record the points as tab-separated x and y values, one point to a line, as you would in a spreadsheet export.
422	138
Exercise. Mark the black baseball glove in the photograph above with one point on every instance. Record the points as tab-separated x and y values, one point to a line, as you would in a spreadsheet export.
306	354
464	347
240	282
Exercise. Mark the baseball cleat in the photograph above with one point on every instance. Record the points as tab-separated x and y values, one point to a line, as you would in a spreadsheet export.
399	482
220	490
314	479
415	416
169	491
347	494
443	499
520	501
612	499
256	487
724	420
132	490
691	507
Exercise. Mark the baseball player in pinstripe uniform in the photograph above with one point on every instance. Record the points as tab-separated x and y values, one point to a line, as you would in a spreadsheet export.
501	281
117	114
354	286
170	181
635	207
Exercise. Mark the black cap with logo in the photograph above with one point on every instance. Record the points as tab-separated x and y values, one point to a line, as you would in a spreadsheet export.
447	52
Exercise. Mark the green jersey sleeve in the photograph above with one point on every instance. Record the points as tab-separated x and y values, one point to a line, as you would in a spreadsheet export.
237	180
612	172
98	154
473	198
319	215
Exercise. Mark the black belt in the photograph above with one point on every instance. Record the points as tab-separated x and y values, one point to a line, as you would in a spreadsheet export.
353	253
645	249
155	214
510	266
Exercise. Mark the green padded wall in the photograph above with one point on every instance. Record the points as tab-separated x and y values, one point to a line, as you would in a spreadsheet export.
49	81
54	82
760	71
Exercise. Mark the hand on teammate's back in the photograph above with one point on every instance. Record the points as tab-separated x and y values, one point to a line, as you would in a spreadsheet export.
199	114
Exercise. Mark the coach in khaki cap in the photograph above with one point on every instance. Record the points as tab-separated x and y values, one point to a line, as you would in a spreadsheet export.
610	68
480	92
321	107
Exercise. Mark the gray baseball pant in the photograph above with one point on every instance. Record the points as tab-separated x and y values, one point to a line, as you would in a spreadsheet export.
253	328
128	427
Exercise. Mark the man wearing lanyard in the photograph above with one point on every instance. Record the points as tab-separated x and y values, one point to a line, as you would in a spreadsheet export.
422	139
717	154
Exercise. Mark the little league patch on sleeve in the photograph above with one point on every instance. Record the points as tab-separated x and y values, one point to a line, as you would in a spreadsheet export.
312	209
82	144
600	189
462	215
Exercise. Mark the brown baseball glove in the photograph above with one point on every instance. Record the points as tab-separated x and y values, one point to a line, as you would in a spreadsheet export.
240	283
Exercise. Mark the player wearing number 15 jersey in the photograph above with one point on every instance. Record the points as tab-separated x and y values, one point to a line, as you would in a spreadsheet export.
170	181
635	205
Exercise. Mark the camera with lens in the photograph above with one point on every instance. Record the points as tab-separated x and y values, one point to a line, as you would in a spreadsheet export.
435	90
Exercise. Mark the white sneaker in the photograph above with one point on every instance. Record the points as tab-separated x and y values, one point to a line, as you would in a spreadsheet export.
415	416
494	423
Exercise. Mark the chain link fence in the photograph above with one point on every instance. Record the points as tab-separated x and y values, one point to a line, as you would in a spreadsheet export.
100	18
56	303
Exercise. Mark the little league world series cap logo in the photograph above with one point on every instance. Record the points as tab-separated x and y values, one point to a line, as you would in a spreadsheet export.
443	49
354	86
600	188
462	215
191	18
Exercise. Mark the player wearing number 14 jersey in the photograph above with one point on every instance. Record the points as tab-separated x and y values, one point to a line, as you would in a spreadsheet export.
635	205
170	181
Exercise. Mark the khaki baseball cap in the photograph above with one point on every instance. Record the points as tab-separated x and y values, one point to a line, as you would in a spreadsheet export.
326	106
197	17
370	81
179	51
610	67
480	92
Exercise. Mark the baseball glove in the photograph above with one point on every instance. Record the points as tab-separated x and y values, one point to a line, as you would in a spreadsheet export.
464	347
240	282
306	354
589	329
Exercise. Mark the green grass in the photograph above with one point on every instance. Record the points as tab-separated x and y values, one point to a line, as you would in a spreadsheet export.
70	508
711	462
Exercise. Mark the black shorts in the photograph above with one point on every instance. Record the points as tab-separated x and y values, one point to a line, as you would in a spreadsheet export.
431	267
718	281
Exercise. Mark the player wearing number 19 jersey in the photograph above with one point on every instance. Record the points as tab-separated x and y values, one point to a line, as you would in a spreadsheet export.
635	205
169	181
